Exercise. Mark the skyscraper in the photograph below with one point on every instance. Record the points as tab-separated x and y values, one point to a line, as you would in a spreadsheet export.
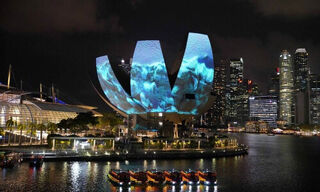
301	69
286	99
301	80
215	116
219	106
273	88
235	91
315	99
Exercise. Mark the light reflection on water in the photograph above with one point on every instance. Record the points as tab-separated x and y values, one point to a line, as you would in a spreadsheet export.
271	165
84	176
167	188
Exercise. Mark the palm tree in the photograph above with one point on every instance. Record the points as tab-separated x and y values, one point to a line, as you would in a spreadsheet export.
10	124
21	127
2	133
42	127
32	130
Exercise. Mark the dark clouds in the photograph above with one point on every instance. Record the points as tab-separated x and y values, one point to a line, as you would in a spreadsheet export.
48	16
289	8
59	39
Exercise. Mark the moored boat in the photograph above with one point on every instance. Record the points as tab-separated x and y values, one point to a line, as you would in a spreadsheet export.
190	177
155	177
207	177
172	177
138	178
119	177
36	161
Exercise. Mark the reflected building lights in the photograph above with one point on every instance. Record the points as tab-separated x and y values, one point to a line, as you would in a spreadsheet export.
154	164
75	172
117	165
145	164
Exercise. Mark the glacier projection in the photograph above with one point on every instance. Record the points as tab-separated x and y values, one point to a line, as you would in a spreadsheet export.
113	89
149	82
195	76
149	79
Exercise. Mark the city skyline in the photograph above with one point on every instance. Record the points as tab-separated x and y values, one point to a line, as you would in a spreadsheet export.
69	45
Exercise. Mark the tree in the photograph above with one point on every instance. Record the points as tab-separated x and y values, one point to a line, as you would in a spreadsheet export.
32	130
2	131
87	119
81	122
52	127
109	122
21	127
65	124
41	127
10	124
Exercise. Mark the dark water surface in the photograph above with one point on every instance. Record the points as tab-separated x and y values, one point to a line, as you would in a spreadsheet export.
274	163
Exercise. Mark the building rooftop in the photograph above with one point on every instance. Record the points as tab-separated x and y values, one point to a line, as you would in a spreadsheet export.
301	50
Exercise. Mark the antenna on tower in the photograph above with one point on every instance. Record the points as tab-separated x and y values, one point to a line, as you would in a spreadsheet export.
9	77
41	91
53	95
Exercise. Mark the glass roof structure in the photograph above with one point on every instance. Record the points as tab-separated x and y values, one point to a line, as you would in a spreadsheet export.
37	112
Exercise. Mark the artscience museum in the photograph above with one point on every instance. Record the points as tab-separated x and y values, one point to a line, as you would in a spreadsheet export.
151	94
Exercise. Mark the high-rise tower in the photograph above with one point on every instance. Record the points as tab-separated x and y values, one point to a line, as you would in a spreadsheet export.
315	99
286	89
219	107
301	85
301	70
235	90
273	87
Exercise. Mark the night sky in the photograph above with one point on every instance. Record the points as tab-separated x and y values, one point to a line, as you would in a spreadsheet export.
57	41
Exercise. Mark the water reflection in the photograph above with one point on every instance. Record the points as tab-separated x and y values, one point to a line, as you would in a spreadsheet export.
269	166
75	172
167	188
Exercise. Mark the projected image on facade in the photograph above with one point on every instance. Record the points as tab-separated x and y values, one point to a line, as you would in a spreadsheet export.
113	90
150	87
149	79
195	76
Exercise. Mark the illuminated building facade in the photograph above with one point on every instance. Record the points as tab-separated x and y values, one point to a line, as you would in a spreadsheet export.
301	70
315	99
219	107
264	108
235	91
286	81
247	89
150	88
301	77
215	116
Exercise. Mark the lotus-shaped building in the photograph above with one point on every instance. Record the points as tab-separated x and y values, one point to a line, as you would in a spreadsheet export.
151	92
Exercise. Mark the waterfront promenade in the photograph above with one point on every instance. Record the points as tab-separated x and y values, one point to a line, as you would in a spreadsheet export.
277	163
117	155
